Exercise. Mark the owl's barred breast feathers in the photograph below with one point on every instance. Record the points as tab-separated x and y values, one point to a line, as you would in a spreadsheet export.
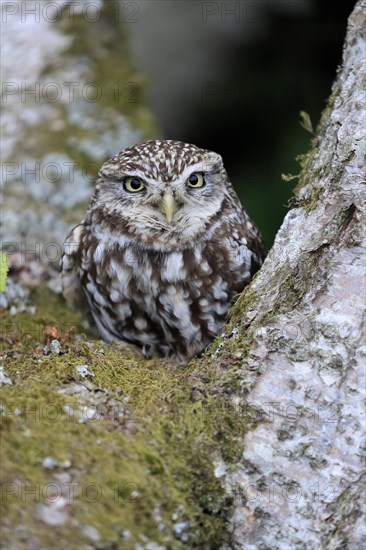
163	249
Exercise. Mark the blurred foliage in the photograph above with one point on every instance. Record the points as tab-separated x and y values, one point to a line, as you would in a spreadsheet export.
3	271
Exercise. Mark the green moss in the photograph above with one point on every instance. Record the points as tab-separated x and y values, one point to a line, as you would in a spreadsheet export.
246	301
310	175
307	174
148	436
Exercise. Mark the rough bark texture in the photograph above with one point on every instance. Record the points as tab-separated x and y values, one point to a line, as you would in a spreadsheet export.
299	482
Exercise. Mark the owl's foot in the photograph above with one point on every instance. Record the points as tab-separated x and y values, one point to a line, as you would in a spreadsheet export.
165	352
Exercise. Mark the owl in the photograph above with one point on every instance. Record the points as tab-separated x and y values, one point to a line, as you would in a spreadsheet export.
164	248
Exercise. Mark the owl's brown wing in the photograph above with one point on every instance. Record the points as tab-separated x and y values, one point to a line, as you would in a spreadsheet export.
70	273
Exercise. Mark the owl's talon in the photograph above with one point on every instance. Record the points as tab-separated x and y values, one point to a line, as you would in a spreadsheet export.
147	351
165	352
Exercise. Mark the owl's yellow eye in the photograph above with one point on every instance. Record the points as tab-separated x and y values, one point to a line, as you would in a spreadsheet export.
196	180
133	184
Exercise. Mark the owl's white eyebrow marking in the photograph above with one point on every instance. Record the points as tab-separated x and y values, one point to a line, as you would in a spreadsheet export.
128	172
196	167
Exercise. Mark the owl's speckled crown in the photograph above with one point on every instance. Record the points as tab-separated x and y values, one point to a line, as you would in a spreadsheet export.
163	159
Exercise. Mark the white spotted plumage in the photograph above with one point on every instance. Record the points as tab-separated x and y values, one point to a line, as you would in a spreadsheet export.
161	280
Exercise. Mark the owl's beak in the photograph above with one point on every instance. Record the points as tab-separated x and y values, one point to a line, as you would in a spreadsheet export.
168	205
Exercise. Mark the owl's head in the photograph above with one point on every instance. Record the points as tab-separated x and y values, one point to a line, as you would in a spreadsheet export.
163	193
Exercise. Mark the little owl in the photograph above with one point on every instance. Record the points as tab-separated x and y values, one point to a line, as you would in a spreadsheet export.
164	248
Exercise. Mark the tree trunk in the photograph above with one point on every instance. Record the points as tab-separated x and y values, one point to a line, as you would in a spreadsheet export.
299	481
